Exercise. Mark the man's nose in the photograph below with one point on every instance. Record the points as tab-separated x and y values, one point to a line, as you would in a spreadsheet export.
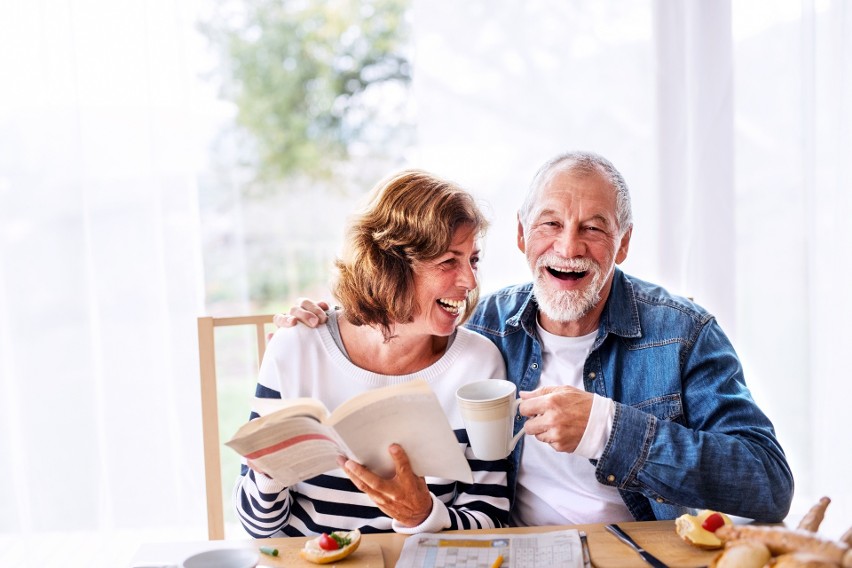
569	244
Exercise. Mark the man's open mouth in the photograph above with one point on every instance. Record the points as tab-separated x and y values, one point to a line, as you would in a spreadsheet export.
567	274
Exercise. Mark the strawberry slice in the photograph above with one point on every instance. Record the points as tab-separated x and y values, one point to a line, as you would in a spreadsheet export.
713	522
328	543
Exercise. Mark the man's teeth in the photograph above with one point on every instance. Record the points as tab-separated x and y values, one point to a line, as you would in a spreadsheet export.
564	274
452	306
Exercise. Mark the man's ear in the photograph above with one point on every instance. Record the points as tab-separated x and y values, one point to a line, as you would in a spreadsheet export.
521	246
623	246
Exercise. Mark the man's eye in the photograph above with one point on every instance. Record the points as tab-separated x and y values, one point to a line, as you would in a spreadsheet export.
474	261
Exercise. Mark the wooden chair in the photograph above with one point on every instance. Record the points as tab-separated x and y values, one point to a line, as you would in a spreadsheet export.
210	409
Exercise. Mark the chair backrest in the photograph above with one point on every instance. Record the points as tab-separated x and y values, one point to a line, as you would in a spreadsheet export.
210	409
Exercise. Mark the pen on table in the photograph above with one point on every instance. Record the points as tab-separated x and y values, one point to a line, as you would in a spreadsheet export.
498	561
584	542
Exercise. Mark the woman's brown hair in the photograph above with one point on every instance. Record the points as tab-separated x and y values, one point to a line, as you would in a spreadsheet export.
411	217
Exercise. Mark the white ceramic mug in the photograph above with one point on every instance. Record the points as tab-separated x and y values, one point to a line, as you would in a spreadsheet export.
488	409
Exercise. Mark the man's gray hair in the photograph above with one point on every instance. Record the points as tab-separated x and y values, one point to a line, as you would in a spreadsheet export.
586	162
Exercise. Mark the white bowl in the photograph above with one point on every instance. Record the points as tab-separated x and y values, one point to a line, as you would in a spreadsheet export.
223	558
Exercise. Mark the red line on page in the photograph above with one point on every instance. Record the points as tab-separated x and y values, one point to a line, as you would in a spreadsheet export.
286	444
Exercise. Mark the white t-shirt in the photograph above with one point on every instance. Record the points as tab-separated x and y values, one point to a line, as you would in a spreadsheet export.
557	488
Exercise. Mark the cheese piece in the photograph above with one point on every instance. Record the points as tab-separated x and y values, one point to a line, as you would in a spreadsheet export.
689	528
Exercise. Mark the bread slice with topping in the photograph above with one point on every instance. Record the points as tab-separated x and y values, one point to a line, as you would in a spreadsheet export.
700	530
320	550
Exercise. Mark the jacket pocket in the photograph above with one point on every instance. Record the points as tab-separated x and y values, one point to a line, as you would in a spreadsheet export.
667	407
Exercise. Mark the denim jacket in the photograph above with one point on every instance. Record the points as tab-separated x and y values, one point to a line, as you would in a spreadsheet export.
686	432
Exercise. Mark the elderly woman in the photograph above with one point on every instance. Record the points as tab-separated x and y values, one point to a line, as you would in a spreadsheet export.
406	281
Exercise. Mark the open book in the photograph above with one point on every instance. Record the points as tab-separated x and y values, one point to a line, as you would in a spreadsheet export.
299	438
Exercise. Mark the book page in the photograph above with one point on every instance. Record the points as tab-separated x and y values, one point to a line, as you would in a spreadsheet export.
357	402
409	415
282	408
290	449
557	549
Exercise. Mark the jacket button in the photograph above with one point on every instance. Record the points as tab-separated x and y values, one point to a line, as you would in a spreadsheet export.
610	478
659	499
592	375
534	366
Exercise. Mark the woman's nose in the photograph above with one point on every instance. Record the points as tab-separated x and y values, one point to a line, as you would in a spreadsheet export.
467	277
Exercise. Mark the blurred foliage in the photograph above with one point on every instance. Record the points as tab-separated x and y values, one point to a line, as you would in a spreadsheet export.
299	73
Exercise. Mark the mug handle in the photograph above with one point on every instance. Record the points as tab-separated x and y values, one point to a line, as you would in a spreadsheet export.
515	404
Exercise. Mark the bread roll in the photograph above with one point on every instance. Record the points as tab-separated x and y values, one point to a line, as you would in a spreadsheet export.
742	554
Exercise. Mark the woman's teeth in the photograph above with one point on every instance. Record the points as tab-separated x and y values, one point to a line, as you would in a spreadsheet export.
452	306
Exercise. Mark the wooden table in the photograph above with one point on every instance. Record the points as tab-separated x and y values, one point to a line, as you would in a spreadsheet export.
657	537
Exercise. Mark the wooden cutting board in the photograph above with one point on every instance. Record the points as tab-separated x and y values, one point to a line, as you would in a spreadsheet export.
368	555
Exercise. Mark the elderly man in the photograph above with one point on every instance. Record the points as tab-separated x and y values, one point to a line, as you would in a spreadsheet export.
635	397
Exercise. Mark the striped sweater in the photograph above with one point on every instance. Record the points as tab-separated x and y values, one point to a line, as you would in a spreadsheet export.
305	362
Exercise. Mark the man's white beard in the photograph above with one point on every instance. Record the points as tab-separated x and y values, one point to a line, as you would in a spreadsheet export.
567	305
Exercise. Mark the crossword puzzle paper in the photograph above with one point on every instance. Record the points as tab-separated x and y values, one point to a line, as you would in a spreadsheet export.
558	549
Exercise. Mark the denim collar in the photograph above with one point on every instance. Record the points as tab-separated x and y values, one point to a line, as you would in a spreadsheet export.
621	312
620	315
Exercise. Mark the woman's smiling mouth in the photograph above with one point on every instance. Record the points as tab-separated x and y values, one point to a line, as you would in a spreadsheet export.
452	306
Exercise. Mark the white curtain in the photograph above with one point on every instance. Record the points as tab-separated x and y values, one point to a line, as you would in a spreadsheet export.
794	197
753	148
695	152
731	122
100	272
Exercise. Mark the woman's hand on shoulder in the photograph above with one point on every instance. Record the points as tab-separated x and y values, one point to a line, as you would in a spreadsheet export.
305	311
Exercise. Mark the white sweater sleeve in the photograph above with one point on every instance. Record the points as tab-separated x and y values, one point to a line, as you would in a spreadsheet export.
262	504
438	520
